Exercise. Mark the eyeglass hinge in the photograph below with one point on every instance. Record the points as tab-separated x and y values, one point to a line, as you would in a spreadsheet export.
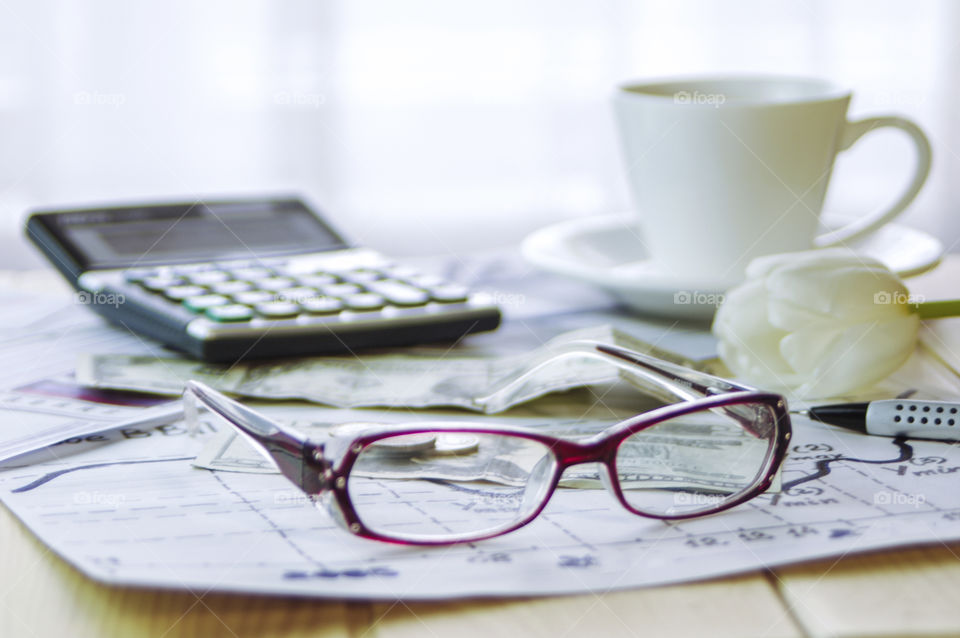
318	475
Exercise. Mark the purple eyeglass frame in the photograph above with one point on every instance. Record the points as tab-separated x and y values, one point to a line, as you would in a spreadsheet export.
306	464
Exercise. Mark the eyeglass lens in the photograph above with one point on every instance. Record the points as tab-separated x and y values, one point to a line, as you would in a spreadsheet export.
449	484
696	462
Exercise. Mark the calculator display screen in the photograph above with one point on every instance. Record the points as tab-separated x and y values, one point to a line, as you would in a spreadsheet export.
178	233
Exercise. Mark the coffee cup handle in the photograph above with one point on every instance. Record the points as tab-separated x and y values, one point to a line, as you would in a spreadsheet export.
869	223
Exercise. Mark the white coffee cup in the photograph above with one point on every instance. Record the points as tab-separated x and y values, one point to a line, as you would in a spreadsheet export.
726	169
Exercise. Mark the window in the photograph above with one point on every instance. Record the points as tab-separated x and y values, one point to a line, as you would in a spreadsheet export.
414	122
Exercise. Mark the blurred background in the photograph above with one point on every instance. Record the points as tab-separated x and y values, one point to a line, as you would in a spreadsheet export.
429	127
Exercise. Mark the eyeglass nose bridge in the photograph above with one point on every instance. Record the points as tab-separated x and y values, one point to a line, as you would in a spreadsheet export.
570	453
602	452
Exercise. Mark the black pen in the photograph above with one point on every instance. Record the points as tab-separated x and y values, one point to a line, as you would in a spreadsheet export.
939	420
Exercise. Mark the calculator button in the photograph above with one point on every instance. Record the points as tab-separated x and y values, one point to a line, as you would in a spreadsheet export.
320	305
448	293
364	301
185	269
231	287
136	275
233	264
291	269
318	279
399	293
337	290
202	302
206	277
298	294
159	284
426	281
275	283
179	293
401	272
230	312
255	272
253	297
277	309
361	275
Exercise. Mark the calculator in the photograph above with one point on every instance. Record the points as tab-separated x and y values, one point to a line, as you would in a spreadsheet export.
249	278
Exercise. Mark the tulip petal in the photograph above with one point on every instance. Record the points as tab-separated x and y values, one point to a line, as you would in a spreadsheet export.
848	291
862	355
805	349
749	344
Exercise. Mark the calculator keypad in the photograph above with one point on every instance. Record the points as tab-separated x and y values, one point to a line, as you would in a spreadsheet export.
239	292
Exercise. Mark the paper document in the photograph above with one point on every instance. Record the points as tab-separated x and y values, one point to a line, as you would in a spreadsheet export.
32	421
40	402
136	512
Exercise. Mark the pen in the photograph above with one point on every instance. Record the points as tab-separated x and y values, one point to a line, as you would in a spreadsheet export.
939	420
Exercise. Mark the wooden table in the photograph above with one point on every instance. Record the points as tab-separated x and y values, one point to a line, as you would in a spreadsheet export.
908	592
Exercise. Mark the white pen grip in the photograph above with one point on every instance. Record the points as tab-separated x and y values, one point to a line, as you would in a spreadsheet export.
917	419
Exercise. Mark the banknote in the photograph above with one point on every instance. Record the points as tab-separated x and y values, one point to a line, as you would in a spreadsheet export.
420	378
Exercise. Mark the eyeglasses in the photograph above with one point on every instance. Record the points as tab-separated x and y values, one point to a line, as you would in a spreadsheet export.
432	483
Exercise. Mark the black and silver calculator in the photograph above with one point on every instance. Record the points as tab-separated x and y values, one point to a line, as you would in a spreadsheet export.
230	280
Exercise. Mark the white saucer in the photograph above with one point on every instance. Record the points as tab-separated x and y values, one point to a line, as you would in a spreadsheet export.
598	250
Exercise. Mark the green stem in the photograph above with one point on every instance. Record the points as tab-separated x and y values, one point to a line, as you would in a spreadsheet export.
937	309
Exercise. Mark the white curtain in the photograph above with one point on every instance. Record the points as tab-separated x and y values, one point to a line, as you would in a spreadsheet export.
426	126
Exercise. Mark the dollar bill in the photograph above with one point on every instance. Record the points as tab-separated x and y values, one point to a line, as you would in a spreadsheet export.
417	379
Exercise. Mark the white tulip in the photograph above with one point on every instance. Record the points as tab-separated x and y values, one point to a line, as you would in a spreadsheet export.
816	323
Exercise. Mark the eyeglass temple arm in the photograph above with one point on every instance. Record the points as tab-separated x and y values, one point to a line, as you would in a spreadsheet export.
678	380
297	458
680	376
673	374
